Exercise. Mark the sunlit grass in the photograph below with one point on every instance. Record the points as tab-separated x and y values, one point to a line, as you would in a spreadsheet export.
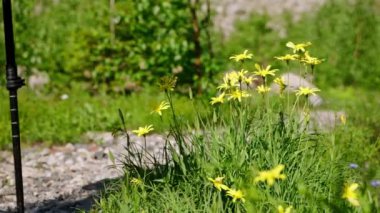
46	118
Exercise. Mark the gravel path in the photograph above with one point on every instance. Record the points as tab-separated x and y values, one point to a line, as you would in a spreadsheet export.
66	178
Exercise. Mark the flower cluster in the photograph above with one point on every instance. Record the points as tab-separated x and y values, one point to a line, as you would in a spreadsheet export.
233	193
268	176
271	175
231	88
233	82
300	54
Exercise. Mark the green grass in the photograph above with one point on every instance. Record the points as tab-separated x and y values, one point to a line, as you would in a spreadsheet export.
238	140
45	118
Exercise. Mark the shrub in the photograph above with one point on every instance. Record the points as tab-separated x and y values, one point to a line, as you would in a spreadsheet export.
111	45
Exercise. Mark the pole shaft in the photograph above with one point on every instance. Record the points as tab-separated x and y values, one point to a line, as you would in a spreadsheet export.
16	149
14	82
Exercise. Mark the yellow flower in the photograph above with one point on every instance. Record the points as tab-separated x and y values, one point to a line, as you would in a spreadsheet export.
288	57
312	61
163	105
233	76
241	75
282	210
218	183
343	119
136	181
350	194
218	99
238	95
261	71
142	131
236	195
262	89
306	91
230	81
271	175
298	47
242	57
248	80
280	82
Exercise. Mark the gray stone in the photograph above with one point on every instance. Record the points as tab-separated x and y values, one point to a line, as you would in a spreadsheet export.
324	120
38	80
230	11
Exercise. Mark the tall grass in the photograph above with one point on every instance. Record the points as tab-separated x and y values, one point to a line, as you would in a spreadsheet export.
238	142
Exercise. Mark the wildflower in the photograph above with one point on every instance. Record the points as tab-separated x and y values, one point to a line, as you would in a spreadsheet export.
271	175
263	89
263	72
343	119
136	181
233	76
288	58
350	195
142	131
248	80
241	75
236	195
312	61
230	81
167	83
353	165
218	183
238	95
218	99
375	183
242	57
297	48
282	210
306	91
280	82
163	105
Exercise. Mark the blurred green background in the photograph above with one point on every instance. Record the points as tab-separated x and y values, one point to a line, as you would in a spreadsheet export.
105	55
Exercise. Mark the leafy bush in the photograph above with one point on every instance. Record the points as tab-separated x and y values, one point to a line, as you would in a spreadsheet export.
114	45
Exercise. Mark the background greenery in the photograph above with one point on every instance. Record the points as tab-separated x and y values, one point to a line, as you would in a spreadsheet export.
107	57
73	41
345	33
110	45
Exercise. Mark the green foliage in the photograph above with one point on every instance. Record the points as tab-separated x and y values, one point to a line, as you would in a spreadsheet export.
115	46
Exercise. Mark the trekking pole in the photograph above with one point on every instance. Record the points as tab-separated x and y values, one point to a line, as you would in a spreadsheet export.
14	82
